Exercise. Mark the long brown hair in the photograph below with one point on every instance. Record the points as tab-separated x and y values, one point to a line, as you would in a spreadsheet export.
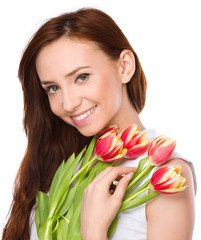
50	140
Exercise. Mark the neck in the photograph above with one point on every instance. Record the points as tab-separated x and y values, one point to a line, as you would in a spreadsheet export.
130	117
127	114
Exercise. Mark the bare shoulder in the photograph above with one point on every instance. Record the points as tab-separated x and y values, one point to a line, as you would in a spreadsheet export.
172	216
182	163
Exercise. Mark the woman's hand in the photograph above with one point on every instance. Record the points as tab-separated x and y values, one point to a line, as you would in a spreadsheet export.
99	206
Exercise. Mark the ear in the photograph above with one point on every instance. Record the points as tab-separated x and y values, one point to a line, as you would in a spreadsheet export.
126	65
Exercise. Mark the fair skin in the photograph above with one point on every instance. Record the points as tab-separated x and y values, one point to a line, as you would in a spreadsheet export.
88	91
72	94
172	216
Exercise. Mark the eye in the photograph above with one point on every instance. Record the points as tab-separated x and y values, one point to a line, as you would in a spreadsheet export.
52	89
82	77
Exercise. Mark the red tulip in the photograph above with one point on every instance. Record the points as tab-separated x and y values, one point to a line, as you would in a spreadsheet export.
109	146
111	129
168	180
135	142
160	150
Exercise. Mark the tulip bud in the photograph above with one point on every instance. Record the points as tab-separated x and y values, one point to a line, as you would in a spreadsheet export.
109	146
168	180
135	142
111	129
160	150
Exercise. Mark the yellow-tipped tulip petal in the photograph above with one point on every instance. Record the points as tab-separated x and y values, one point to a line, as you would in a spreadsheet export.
168	180
135	142
109	146
160	150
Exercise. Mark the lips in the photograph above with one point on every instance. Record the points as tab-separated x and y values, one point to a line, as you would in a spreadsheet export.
83	115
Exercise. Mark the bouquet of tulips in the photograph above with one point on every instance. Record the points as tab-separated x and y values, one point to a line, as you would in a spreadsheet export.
58	214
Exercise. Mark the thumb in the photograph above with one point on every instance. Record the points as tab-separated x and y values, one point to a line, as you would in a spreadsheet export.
122	185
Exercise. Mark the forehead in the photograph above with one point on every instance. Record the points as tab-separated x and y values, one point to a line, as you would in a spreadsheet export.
68	48
65	54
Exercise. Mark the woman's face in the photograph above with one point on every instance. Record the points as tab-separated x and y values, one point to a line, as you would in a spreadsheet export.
83	84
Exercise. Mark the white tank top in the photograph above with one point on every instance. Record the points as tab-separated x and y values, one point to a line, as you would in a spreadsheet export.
132	223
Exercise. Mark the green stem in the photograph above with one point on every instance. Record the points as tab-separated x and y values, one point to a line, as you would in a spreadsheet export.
112	163
143	173
138	201
45	234
83	168
131	197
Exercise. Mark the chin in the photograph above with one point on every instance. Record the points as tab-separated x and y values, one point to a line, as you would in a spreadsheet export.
90	131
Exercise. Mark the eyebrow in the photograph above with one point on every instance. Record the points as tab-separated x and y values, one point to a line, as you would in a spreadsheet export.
76	70
67	75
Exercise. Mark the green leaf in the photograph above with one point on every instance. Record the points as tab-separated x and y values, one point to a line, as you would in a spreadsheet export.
74	225
138	201
46	233
60	229
57	180
63	226
42	211
140	166
85	160
65	202
74	192
89	152
138	189
67	198
63	183
140	176
112	226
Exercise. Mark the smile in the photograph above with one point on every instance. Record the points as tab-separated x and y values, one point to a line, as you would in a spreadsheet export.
84	115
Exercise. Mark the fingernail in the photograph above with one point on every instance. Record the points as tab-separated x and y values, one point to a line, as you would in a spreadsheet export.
129	176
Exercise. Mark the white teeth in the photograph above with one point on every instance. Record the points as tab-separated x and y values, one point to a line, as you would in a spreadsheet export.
84	115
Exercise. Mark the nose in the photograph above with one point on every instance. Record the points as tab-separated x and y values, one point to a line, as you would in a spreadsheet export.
70	100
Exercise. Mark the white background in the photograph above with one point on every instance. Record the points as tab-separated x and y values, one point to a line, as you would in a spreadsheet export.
166	37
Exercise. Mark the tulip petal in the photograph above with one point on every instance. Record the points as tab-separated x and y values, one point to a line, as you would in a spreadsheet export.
114	143
135	142
168	180
117	148
172	190
119	156
128	134
155	144
160	150
137	150
103	145
161	155
160	174
111	129
170	183
109	146
137	138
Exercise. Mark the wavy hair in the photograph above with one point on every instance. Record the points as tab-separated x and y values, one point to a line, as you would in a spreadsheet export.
50	140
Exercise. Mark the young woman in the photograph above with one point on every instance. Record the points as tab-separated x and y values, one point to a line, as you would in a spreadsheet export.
79	75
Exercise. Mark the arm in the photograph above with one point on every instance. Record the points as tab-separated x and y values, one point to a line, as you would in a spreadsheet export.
172	216
99	207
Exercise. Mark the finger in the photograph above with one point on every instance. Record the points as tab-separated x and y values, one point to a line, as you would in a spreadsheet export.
102	174
106	172
114	173
121	186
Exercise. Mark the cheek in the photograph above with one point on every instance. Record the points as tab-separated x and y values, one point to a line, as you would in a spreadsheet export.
109	90
56	105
